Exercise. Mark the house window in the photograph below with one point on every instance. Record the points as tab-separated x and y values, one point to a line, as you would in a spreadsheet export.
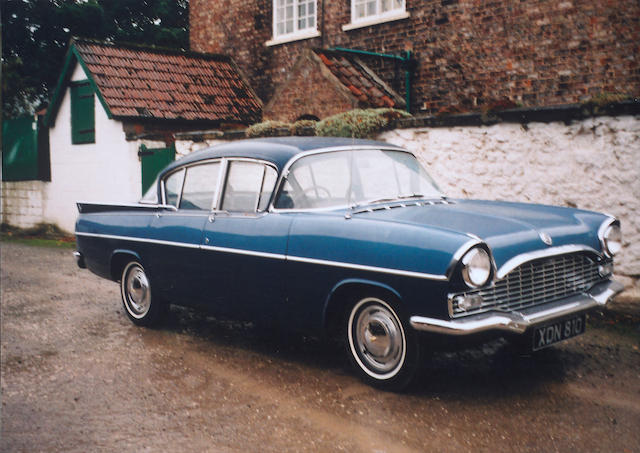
82	113
293	20
371	12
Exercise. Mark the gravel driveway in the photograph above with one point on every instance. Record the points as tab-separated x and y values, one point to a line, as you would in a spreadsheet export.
77	376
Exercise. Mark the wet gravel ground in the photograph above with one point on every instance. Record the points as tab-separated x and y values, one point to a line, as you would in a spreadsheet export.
77	376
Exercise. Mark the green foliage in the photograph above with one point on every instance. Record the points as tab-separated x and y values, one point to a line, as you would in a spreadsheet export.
304	127
604	99
36	34
359	123
268	129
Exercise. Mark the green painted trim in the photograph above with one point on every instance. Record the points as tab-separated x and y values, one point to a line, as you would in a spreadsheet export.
61	87
92	82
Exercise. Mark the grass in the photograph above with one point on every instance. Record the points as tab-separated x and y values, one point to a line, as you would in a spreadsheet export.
41	235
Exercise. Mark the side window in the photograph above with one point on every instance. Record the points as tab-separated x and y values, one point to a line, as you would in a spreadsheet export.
248	187
200	185
82	113
173	187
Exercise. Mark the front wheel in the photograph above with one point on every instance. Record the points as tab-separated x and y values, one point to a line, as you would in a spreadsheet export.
384	352
135	289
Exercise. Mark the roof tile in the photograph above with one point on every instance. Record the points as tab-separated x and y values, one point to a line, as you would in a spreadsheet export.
168	84
358	78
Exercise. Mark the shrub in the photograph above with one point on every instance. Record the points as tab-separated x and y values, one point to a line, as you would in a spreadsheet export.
304	127
358	123
268	129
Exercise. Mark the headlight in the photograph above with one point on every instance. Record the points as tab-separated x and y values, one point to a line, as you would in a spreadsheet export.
476	267
612	239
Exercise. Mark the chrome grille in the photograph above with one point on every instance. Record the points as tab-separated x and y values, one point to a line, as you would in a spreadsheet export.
536	282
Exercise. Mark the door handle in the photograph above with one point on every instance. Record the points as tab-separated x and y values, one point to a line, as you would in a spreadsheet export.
212	217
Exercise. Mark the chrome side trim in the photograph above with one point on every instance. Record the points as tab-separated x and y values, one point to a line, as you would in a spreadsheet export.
519	322
274	256
149	241
529	256
213	248
362	267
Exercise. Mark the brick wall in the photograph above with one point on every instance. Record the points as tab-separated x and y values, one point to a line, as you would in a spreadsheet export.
301	96
470	53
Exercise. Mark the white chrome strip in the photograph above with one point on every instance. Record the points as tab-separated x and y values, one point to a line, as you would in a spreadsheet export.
520	259
278	256
151	241
275	256
361	267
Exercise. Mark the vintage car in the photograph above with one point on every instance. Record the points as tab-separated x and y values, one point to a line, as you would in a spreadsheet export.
352	238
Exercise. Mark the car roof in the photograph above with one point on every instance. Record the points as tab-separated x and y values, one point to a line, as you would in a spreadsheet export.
277	150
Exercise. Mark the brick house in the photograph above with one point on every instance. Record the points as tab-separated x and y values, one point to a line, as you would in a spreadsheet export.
467	55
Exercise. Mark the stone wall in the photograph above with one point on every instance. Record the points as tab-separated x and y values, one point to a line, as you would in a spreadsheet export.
23	202
592	164
470	54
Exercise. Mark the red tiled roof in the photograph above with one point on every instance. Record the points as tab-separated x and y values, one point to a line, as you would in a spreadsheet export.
359	79
150	83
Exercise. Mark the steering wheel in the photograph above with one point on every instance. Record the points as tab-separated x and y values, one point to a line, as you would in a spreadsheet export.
317	189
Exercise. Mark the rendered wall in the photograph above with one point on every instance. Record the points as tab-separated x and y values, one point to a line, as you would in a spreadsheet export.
23	202
105	171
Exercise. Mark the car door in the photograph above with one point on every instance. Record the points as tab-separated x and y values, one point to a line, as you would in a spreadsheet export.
244	244
177	234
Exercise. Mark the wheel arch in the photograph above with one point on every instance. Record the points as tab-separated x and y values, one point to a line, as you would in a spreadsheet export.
119	259
343	293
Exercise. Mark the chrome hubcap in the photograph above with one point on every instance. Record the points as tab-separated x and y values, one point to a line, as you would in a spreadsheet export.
138	292
379	339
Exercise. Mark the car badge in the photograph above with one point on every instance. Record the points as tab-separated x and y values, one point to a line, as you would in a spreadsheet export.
545	238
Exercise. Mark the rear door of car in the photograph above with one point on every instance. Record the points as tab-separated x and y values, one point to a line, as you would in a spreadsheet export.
177	234
243	244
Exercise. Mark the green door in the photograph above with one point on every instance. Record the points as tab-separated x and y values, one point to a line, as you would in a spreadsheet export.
152	161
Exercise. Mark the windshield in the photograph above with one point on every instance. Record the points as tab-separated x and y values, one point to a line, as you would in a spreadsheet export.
348	178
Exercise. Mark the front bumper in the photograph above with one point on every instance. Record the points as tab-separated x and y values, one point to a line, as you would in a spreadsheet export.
520	321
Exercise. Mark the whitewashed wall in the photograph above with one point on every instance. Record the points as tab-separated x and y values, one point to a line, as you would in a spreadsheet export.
105	171
23	202
592	164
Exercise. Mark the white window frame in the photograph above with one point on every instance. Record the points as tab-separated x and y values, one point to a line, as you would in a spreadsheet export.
379	18
306	33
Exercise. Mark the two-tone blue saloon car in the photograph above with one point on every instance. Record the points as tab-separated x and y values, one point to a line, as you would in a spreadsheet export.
351	238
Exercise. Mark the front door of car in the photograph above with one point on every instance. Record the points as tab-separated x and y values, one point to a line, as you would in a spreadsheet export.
244	244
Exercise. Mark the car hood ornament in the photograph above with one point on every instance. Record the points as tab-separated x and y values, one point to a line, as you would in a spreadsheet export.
545	238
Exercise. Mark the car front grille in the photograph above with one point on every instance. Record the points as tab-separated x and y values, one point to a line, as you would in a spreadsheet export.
534	283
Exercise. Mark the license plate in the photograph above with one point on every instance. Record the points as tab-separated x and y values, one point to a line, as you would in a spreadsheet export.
558	331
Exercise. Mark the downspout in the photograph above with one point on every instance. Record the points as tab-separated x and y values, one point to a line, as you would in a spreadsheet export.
404	59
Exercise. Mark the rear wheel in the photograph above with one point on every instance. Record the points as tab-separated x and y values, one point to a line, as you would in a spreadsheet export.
139	304
383	351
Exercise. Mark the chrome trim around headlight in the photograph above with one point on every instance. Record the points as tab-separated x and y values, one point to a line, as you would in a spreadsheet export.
466	263
602	232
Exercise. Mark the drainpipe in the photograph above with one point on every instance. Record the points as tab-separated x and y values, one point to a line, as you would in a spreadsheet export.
404	59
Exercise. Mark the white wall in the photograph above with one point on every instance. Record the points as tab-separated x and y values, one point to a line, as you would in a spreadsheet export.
107	170
23	202
592	164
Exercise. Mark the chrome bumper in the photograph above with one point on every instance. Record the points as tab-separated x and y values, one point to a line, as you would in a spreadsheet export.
520	321
79	260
